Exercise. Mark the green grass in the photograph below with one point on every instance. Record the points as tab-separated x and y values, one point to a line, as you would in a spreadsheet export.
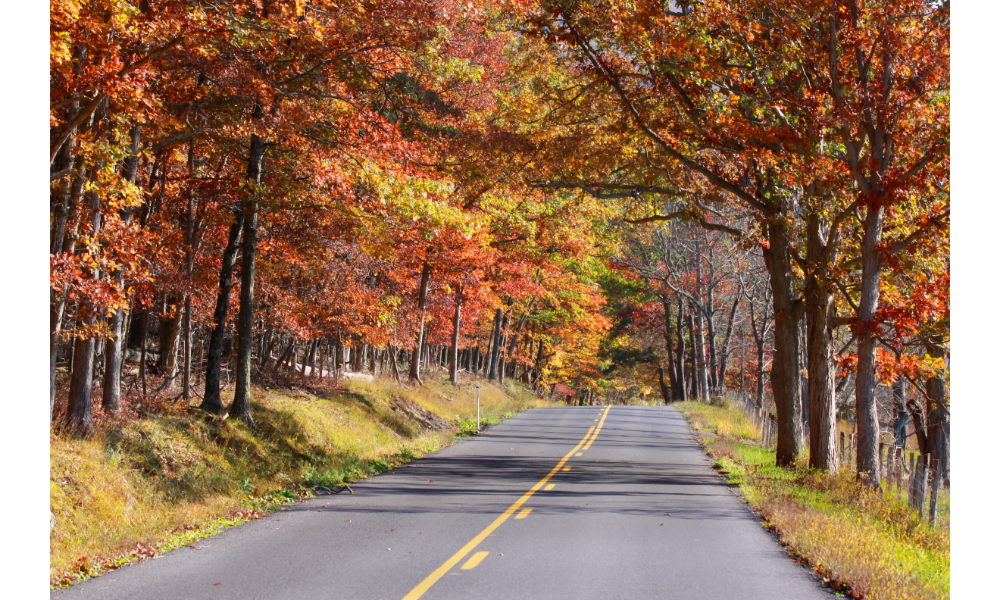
148	486
864	541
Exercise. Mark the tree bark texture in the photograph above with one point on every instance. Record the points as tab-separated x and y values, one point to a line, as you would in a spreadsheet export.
212	401
79	419
59	299
864	396
819	309
425	276
495	352
704	388
240	407
695	374
724	361
682	389
785	380
504	332
938	429
111	398
456	323
669	342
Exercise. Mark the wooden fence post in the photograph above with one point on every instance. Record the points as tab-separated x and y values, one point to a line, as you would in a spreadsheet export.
890	465
899	472
853	451
883	467
922	484
935	487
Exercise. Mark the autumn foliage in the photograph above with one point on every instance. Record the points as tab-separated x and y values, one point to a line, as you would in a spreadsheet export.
692	198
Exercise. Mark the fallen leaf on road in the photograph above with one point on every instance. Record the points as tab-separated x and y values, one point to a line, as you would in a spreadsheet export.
218	583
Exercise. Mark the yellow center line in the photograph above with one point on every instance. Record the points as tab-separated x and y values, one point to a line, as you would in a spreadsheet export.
475	560
524	513
599	425
438	573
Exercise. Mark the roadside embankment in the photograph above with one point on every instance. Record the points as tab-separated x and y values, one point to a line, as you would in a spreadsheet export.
867	543
144	485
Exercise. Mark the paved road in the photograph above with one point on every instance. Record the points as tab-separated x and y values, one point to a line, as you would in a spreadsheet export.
583	502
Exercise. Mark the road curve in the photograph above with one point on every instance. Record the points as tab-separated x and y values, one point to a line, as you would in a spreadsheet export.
567	502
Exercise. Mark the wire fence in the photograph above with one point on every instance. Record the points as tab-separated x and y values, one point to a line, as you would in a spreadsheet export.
920	475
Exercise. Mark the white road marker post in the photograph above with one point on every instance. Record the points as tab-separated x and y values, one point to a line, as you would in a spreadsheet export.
477	408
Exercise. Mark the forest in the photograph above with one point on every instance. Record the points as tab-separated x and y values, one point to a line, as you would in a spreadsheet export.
615	202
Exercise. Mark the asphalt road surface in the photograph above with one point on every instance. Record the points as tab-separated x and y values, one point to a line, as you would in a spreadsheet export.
581	502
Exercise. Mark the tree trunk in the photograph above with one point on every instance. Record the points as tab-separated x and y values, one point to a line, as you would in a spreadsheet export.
502	364
538	364
713	358
212	401
919	428
865	382
111	399
59	299
785	368
142	352
310	360
723	364
682	389
669	343
758	337
938	443
900	416
283	358
703	367
392	361
495	353
425	276
456	323
186	379
663	387
66	217
170	335
322	360
78	411
200	361
695	373
820	308
240	408
516	337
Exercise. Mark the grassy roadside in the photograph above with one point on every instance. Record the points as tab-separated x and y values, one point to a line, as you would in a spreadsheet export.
144	486
867	544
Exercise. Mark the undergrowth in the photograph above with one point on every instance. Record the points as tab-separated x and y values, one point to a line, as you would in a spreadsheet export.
143	486
867	543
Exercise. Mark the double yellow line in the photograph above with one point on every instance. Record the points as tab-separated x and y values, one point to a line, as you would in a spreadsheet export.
438	573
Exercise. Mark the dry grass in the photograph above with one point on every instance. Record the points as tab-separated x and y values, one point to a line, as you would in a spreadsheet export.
867	543
144	487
